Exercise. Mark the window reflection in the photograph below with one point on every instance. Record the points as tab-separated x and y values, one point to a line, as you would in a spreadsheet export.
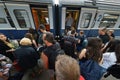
109	20
86	18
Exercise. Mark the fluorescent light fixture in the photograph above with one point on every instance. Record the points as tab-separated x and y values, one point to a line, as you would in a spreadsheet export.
56	1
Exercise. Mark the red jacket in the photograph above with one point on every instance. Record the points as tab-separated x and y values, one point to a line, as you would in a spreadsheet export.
81	78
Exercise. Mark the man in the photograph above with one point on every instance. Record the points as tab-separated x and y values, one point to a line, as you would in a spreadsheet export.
103	35
69	22
52	50
42	31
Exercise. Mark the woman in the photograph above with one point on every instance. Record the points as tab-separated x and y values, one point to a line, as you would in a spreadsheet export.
90	60
30	36
6	48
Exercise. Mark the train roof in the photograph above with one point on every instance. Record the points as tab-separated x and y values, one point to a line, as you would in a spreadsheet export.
30	1
89	2
71	2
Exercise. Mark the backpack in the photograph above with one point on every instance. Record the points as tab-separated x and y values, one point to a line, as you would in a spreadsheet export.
91	70
52	57
114	70
69	46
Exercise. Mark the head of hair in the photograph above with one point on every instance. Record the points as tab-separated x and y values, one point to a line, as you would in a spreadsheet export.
112	45
81	32
1	34
29	35
112	31
25	42
31	30
49	37
94	49
104	29
42	26
73	32
67	68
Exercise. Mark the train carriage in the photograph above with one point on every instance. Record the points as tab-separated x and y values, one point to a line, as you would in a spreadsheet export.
90	15
16	17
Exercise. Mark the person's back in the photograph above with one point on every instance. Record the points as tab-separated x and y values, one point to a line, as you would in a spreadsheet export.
34	33
69	22
69	46
90	60
105	38
40	38
52	53
91	70
26	56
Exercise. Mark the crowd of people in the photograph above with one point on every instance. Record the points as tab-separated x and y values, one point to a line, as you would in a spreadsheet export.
76	57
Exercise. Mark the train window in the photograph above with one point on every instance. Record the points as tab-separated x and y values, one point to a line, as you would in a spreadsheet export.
86	18
109	20
9	18
72	16
22	18
2	21
40	16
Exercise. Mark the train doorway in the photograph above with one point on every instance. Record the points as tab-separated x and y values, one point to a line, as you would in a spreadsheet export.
40	16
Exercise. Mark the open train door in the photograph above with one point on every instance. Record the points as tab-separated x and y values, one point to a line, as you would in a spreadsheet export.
43	14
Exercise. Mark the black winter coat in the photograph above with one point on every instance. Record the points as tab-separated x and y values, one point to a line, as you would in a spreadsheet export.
26	57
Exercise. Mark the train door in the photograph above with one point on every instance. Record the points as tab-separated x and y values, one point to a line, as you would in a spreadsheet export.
70	17
42	15
21	15
86	19
82	18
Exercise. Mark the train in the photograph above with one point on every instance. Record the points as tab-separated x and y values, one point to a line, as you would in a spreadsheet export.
17	16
